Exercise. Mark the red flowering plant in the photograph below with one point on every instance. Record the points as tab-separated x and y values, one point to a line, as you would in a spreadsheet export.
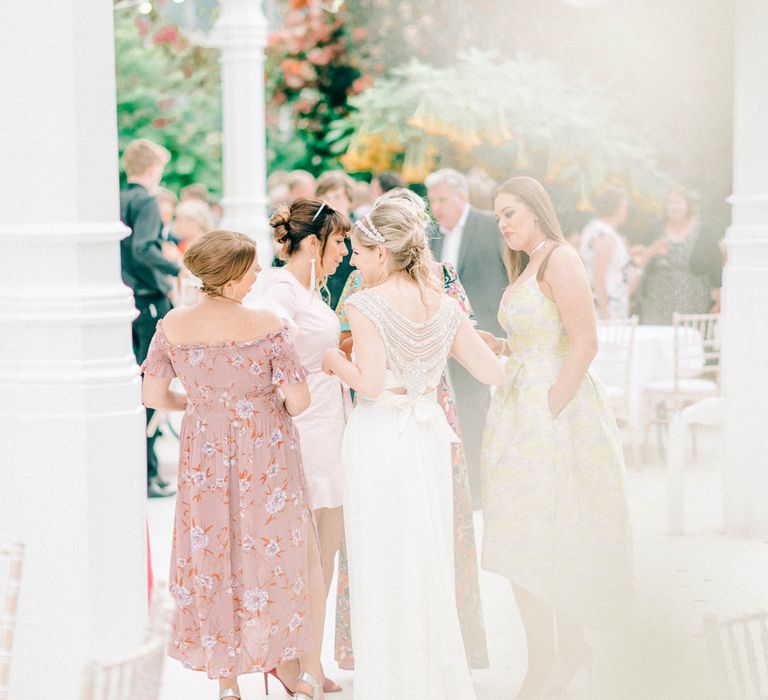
316	62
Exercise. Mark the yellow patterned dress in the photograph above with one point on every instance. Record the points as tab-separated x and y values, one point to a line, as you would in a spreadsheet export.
554	508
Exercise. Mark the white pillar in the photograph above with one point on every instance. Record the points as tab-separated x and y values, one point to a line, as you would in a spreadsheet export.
241	35
745	288
71	423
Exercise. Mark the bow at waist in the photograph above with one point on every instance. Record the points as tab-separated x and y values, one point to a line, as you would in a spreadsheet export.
415	409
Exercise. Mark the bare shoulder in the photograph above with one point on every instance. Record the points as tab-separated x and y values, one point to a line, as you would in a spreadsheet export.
260	322
178	316
564	262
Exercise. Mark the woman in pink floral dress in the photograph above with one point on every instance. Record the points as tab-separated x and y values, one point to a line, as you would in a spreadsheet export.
245	569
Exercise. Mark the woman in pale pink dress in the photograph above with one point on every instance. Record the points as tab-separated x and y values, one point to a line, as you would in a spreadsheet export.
245	567
313	239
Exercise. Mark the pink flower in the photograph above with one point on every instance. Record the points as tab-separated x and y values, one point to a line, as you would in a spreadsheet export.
320	57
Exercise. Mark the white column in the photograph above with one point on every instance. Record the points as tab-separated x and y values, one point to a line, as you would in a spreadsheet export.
241	35
71	424
745	288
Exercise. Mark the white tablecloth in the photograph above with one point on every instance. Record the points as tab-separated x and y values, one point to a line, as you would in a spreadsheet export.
653	360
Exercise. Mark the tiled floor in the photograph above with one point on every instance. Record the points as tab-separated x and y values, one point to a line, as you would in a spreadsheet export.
678	579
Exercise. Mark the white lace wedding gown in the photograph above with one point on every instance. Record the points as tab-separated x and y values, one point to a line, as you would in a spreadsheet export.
398	515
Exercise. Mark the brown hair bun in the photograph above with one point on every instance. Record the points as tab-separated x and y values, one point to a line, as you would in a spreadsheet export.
219	257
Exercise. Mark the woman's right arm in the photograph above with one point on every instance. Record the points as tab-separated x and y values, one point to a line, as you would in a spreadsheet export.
367	373
297	398
473	353
157	393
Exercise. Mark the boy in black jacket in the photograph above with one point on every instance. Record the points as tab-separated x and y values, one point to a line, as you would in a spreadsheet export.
144	267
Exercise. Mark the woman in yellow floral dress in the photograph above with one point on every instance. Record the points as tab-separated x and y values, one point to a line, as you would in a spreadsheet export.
554	508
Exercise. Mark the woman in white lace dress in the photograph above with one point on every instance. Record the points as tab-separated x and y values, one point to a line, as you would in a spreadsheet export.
397	460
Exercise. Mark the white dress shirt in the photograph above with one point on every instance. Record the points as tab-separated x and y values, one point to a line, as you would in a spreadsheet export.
452	239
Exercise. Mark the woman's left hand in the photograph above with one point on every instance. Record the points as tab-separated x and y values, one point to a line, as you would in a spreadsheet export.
331	359
556	404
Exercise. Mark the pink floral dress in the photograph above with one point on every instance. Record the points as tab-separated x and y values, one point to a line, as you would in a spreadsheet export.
239	561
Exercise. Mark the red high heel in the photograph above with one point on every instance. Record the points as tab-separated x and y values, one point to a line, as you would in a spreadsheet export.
273	672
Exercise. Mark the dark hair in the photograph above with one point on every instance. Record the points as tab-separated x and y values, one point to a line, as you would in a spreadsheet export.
608	200
690	197
531	193
389	181
304	217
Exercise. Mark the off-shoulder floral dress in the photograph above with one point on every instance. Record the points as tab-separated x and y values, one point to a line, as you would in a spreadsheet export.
239	557
465	552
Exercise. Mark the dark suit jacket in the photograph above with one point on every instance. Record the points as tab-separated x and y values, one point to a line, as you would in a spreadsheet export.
480	266
143	265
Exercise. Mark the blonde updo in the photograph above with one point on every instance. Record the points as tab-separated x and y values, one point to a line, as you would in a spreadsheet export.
219	257
400	216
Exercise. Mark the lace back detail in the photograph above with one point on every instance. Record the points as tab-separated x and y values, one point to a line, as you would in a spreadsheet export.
416	351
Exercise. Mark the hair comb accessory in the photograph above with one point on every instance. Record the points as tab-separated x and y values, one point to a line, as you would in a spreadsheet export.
195	281
366	226
319	209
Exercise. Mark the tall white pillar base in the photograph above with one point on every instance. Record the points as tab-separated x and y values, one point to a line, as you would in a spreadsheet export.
71	422
745	286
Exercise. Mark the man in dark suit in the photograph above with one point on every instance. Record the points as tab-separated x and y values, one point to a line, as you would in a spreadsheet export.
470	240
144	267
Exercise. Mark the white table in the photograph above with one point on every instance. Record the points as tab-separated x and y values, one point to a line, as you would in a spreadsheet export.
653	360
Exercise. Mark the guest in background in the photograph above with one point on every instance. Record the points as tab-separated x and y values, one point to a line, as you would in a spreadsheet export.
481	188
555	520
196	191
682	268
300	184
217	214
312	236
380	183
144	267
606	256
277	190
245	568
384	182
469	240
361	197
335	187
166	203
193	219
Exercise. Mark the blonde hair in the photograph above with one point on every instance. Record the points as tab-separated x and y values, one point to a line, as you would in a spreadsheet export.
140	155
400	216
166	195
196	191
196	211
334	180
219	257
531	193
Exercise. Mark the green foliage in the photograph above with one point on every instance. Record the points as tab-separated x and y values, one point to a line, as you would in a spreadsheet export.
516	117
169	91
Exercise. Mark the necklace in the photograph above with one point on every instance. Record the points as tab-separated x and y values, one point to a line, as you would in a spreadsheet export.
221	296
537	248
